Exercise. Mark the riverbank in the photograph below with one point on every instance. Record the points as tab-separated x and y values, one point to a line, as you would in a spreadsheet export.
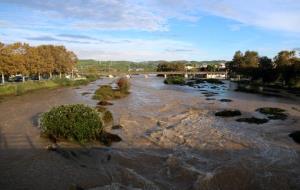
171	140
29	86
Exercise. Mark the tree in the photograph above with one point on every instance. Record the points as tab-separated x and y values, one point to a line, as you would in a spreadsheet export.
265	63
251	59
284	63
284	58
2	62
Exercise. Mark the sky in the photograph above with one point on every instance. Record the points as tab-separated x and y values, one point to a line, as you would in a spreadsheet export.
141	30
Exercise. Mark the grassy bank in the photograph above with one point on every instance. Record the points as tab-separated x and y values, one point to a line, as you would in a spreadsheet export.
22	88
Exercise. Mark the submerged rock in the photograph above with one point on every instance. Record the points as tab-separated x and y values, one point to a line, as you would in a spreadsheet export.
210	99
117	127
108	138
228	113
295	136
253	120
51	147
225	100
105	103
273	113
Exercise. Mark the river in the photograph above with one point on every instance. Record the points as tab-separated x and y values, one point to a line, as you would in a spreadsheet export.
171	140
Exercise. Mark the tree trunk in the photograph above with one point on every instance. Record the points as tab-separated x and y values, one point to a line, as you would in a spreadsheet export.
39	76
3	80
72	75
50	75
23	78
59	74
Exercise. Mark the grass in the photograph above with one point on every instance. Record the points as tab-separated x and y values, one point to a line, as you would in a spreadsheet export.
22	88
106	92
228	113
273	113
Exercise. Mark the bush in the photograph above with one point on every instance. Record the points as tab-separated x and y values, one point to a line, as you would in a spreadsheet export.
123	84
179	80
106	92
73	122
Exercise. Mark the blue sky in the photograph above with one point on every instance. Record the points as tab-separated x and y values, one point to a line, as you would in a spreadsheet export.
141	30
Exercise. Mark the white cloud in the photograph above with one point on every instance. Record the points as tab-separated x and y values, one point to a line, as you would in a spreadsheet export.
283	15
153	15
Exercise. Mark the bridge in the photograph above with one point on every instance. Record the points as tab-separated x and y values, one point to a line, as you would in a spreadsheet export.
187	74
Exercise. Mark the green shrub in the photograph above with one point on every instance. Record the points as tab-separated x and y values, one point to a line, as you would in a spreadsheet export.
175	80
73	122
106	92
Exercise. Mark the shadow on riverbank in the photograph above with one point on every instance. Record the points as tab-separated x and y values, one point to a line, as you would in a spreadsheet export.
35	168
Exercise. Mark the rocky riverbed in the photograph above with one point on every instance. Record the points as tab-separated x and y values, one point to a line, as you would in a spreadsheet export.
171	140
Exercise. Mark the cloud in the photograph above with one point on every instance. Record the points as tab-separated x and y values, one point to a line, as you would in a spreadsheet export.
99	14
76	36
282	15
178	50
52	39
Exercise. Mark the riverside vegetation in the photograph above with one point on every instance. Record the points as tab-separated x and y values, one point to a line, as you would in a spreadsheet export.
28	86
78	123
106	92
281	72
34	64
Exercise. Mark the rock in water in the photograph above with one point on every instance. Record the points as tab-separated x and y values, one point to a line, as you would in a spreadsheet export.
295	136
228	113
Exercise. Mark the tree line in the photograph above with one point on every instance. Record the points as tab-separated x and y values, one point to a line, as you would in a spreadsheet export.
283	69
44	60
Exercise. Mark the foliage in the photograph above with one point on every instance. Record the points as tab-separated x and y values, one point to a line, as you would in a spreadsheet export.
93	66
171	66
73	122
175	80
19	58
285	68
123	84
106	92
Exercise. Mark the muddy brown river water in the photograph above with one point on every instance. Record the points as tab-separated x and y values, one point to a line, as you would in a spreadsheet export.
171	140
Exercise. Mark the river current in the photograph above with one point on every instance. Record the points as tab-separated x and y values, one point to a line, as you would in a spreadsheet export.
171	140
